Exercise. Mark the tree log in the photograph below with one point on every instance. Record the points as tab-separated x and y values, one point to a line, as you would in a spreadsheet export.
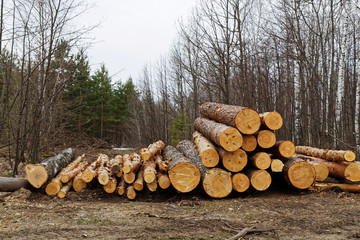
321	170
271	120
227	137
183	174
64	172
265	139
217	183
260	160
282	149
116	164
244	119
78	183
152	150
9	184
110	187
103	172
121	187
298	173
38	174
206	150
353	188
163	180
90	172
249	143
130	192
127	163
152	186
233	161
240	182
64	190
276	165
139	182
259	179
330	155
149	169
161	165
129	177
69	175
131	163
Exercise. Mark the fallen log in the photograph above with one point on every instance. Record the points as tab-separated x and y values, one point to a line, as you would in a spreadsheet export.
249	143
298	173
227	137
330	155
38	174
152	150
276	165
353	188
265	139
152	186
121	187
116	164
183	174
139	182
282	149
206	150
259	179
90	172
78	183
110	187
64	190
161	165
127	163
321	170
103	172
73	165
260	160
131	163
271	120
68	175
240	182
129	177
233	161
130	192
10	184
149	171
163	180
245	119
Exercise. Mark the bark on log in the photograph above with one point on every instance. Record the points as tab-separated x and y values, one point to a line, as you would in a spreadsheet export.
69	175
64	190
183	174
276	165
9	184
298	173
282	149
130	192
240	182
233	161
103	171
245	119
139	182
330	155
271	120
127	163
152	150
206	150
266	139
227	137
69	168
259	179
260	160
121	187
110	187
249	143
353	188
163	180
78	183
162	166
149	169
152	186
90	172
133	164
38	174
116	164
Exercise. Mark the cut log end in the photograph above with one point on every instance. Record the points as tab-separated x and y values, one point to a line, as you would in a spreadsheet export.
260	180
152	186
110	187
321	172
349	156
301	174
266	139
103	179
235	161
129	177
230	139
163	180
287	149
272	120
240	182
130	193
36	175
276	165
78	184
210	158
352	172
87	176
53	187
249	143
248	121
184	177
261	160
217	183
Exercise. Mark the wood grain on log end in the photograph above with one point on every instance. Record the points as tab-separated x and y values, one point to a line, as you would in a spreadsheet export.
276	165
248	121
349	156
249	143
300	174
129	177
184	176
261	160
130	192
271	120
287	149
217	183
240	182
352	172
321	172
259	179
53	187
266	139
36	175
234	161
230	139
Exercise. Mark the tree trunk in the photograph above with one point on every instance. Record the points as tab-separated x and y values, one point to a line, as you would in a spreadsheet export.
233	161
217	183
227	137
149	169
282	149
64	190
266	139
240	182
152	150
299	173
183	174
9	184
260	160
121	187
161	165
276	165
139	182
38	174
244	119
163	180
271	120
206	150
249	143
259	179
127	163
330	155
321	170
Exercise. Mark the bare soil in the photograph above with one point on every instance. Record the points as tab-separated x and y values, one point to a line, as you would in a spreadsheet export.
281	212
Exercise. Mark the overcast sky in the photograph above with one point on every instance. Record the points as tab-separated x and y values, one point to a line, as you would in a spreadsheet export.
133	33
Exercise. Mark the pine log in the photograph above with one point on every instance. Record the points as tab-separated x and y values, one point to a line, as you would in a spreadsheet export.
161	165
227	137
207	151
163	180
265	139
330	155
139	182
183	174
64	190
68	175
130	192
121	187
259	179
276	165
282	149
38	174
260	160
152	150
342	170
298	173
131	163
152	186
149	171
129	177
110	187
217	183
353	188
233	161
321	170
103	172
90	172
271	120
10	184
249	143
116	164
78	183
240	182
245	119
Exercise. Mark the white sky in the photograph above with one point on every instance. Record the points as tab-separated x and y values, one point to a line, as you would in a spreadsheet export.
133	33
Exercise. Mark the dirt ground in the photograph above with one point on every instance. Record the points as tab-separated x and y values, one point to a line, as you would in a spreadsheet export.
278	213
